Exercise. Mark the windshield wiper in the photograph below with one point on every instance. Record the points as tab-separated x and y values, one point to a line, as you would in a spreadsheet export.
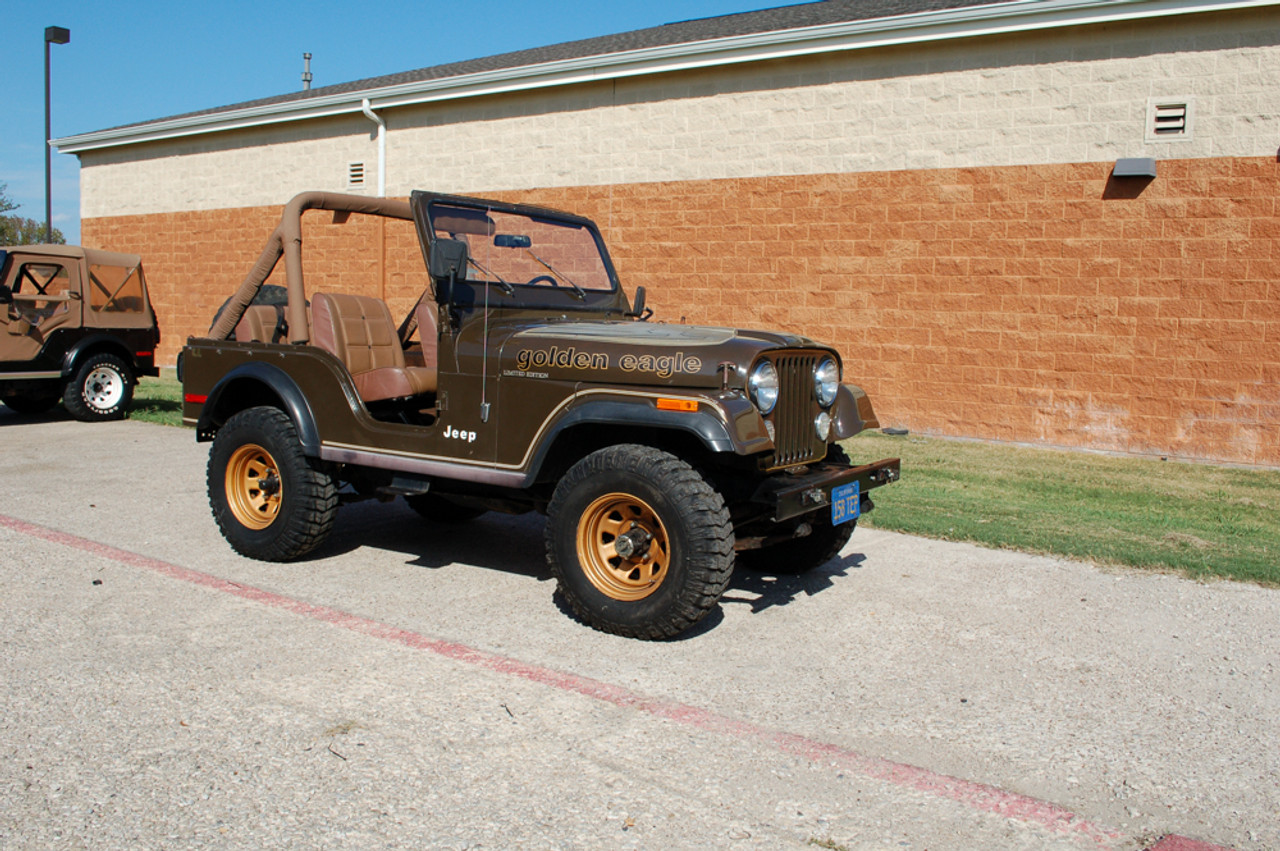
577	290
506	287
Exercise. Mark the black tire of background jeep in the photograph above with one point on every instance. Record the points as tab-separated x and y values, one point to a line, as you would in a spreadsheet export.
440	509
800	555
678	554
268	499
100	390
30	403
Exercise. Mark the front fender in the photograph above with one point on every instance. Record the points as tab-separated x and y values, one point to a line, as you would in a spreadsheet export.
228	395
852	412
710	424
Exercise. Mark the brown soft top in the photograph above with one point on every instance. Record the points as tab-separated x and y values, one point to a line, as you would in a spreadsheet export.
94	256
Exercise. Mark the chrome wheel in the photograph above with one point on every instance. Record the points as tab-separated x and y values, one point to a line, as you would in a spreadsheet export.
103	388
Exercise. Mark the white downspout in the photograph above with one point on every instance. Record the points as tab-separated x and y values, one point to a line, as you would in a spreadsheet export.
382	146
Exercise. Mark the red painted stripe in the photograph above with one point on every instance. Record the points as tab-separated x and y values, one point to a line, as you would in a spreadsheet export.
978	796
1182	843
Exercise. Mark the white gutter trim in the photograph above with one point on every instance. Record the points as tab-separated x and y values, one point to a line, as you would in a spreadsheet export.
969	22
382	146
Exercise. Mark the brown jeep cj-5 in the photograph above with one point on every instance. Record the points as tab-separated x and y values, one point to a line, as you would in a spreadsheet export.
523	379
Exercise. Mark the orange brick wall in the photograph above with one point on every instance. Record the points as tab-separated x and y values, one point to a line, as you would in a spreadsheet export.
1043	304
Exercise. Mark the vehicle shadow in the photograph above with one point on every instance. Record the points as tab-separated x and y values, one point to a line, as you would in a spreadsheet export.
495	541
514	544
155	406
59	414
762	590
13	418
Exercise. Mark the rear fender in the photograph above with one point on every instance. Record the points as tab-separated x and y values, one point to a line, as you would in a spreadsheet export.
95	344
255	383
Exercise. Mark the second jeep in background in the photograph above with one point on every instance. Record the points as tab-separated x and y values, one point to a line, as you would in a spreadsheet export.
76	325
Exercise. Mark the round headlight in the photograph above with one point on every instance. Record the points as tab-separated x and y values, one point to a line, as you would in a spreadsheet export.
763	385
826	381
822	425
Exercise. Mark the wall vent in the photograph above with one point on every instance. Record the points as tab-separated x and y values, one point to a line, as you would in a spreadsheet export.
355	175
1169	119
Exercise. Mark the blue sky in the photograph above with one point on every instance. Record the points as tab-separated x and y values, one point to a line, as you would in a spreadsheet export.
136	60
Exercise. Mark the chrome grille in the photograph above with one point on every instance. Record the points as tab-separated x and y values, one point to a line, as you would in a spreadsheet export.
794	437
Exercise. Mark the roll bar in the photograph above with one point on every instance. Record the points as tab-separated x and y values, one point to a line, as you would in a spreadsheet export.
286	240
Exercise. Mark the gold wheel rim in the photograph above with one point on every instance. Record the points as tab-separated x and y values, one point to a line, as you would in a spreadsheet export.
253	486
639	572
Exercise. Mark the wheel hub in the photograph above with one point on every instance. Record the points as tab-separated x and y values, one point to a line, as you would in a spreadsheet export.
270	485
634	543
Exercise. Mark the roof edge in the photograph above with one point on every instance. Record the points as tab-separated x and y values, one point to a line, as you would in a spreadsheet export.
965	22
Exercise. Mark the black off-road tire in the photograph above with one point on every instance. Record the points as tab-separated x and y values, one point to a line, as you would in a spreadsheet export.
101	389
269	500
800	555
27	403
440	509
651	589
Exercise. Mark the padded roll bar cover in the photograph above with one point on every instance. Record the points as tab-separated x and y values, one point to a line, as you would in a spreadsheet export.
286	240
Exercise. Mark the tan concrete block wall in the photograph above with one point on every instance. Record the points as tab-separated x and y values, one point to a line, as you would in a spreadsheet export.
1033	99
262	167
1043	304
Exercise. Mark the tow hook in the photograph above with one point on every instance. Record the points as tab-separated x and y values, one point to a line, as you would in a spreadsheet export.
813	496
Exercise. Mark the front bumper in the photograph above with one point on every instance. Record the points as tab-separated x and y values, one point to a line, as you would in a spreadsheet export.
791	496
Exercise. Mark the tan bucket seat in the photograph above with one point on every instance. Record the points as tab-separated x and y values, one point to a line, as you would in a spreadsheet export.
359	331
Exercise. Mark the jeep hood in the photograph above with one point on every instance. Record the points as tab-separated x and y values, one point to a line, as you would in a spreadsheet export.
638	352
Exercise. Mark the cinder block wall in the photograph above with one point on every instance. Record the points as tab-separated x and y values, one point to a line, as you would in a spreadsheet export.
1046	304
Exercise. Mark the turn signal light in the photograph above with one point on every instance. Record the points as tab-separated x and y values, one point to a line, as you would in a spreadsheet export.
688	405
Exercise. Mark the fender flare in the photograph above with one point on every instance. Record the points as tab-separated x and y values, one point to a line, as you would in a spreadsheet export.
292	401
708	429
105	342
852	412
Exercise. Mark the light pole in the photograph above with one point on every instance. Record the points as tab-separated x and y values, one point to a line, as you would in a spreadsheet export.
52	35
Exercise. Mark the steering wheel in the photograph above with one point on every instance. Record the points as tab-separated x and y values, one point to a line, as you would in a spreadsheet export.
550	280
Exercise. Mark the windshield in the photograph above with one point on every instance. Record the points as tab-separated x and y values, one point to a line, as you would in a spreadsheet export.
517	249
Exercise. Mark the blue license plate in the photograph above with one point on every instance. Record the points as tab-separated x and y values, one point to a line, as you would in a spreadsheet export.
846	502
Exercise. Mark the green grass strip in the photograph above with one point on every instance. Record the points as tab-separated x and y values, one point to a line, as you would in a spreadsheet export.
1195	519
157	400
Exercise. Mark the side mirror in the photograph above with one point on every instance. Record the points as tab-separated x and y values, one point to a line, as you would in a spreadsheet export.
639	309
448	259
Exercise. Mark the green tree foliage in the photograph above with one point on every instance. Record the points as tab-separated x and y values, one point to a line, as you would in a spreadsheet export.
18	230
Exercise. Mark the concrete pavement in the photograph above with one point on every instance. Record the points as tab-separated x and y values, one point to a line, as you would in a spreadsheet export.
417	685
